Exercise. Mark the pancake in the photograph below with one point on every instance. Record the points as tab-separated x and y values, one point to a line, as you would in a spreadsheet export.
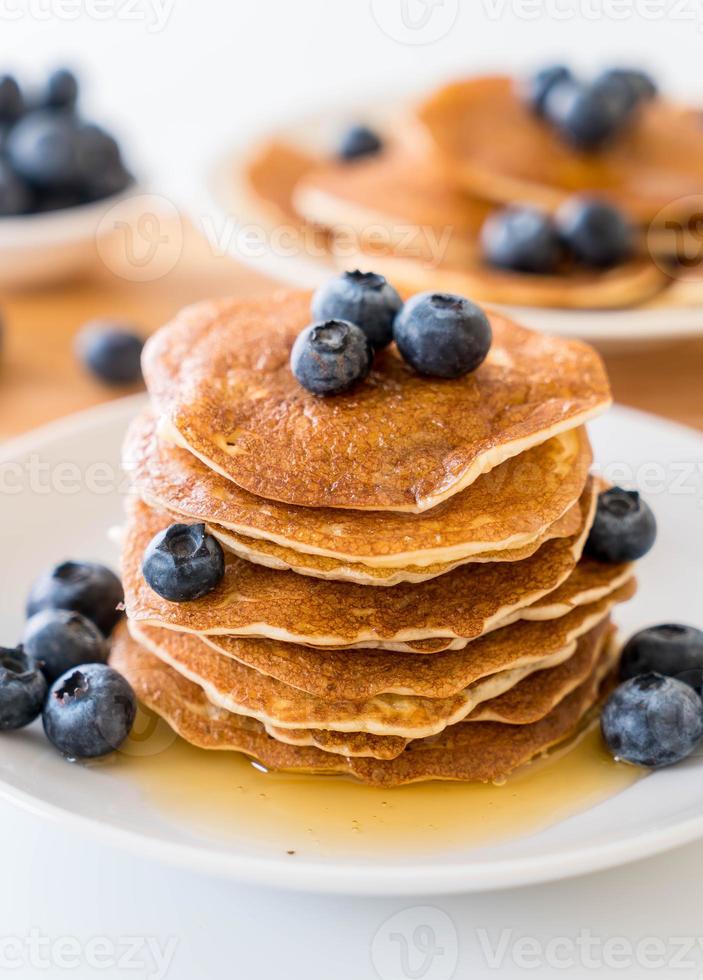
397	201
520	503
252	600
631	283
525	703
408	224
271	174
275	556
219	374
497	149
241	690
362	674
482	751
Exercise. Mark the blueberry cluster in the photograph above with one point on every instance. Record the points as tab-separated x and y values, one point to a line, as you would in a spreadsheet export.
60	669
50	157
358	313
655	716
588	115
585	231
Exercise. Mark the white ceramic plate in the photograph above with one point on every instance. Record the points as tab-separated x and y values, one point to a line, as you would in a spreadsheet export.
226	212
61	490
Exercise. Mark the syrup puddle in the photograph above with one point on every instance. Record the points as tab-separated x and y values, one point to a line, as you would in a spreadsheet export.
223	797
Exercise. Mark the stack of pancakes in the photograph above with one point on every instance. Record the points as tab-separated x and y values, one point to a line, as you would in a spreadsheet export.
414	212
405	594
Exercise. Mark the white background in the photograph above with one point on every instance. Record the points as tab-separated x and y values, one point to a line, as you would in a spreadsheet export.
177	90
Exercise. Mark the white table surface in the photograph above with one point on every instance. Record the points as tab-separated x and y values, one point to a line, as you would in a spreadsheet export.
56	885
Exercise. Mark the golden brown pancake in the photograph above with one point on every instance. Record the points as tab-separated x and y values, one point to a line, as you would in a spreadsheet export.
400	216
252	600
219	374
630	284
497	149
272	172
514	508
362	674
526	702
483	751
231	685
395	201
275	556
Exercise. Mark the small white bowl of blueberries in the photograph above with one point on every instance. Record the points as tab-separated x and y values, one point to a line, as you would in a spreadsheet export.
59	175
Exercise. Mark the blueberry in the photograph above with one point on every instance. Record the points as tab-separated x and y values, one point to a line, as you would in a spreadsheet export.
58	640
363	298
11	100
61	90
83	587
595	232
111	351
638	86
22	689
669	649
359	141
624	528
89	711
183	562
586	116
113	179
652	721
330	357
537	86
42	149
15	195
523	239
442	335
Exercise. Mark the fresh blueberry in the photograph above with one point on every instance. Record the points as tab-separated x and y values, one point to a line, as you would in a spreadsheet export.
111	351
42	149
595	232
442	335
58	640
638	85
523	239
537	86
83	587
15	195
330	357
22	689
624	529
652	721
669	649
183	562
113	179
89	711
363	298
586	116
57	198
61	90
11	100
359	141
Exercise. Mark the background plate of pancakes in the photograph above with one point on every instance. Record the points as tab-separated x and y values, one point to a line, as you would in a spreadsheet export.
46	523
256	191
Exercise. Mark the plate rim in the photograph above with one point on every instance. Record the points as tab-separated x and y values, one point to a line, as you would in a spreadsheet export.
320	875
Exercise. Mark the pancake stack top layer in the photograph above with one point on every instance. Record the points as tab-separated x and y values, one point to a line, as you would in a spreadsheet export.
404	595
